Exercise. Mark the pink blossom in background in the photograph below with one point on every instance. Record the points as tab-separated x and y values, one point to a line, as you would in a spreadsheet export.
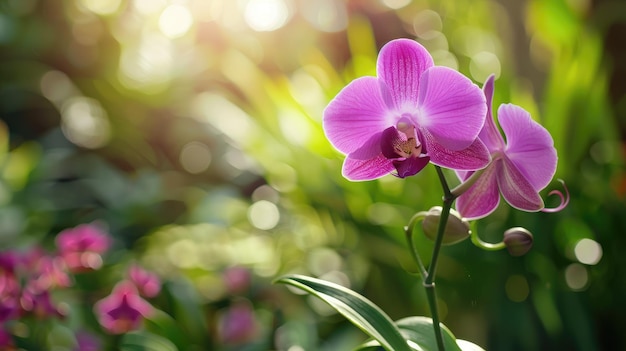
51	272
123	310
522	165
6	340
237	279
87	342
10	292
238	324
39	303
148	284
412	113
82	247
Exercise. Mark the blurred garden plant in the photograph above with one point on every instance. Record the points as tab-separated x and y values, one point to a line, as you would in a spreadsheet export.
31	280
414	113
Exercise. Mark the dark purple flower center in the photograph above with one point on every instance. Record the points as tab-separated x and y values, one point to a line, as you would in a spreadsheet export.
402	146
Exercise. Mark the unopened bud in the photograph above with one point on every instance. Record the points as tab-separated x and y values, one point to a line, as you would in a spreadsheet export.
518	241
457	228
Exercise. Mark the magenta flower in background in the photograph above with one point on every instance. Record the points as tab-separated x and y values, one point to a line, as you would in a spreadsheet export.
148	284
10	292
82	247
237	279
50	272
6	340
238	324
123	310
521	166
413	112
39	302
87	342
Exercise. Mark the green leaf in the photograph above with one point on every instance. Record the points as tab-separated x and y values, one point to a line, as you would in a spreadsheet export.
468	346
419	330
163	324
144	341
356	308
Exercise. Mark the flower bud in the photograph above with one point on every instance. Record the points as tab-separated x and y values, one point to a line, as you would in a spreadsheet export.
457	228
518	241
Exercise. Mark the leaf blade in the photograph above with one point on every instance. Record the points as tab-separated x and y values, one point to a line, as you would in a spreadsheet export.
357	309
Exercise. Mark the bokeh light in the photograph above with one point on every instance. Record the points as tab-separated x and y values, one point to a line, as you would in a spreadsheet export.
576	276
175	21
266	15
85	122
588	251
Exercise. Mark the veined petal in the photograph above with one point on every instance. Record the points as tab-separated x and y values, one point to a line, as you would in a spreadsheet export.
516	189
400	64
475	156
482	198
451	107
368	150
358	170
490	135
355	114
529	145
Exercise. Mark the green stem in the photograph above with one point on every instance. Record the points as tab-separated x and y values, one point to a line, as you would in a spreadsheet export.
476	240
429	281
408	232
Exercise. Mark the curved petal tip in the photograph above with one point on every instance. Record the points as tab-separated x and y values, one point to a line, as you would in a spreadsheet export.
564	198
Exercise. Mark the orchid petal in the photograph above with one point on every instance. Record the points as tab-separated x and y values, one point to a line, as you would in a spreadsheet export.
358	170
529	145
400	64
482	198
564	199
410	166
354	113
389	138
451	107
516	189
370	149
474	157
490	135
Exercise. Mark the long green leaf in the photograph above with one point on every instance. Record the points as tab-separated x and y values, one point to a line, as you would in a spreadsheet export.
419	331
354	307
144	341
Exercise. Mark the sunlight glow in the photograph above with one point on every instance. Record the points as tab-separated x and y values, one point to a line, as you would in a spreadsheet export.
101	7
84	122
175	21
588	251
147	7
396	4
266	15
326	15
149	63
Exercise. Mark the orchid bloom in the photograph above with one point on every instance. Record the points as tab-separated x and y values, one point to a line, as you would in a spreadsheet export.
82	247
123	310
413	112
148	284
521	166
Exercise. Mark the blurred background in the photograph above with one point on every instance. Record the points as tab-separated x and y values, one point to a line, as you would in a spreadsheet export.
191	130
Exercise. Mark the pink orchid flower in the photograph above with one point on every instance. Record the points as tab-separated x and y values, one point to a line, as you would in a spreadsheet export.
521	166
123	310
82	247
148	284
413	112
